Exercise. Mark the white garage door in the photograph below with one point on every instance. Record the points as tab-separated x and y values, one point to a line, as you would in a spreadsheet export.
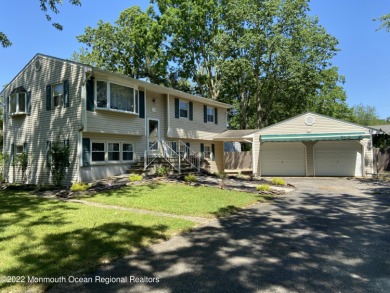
338	158
282	159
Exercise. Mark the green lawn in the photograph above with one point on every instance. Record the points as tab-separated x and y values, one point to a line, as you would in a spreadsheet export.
176	199
49	238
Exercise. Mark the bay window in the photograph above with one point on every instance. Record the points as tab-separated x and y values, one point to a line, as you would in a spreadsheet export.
18	103
116	97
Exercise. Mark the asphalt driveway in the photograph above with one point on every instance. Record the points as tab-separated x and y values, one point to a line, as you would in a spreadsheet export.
330	235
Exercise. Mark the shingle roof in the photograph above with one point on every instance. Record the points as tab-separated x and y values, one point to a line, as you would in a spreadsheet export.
234	134
384	128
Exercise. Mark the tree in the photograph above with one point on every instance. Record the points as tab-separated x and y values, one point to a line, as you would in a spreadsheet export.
192	28
47	6
385	22
278	63
365	115
134	46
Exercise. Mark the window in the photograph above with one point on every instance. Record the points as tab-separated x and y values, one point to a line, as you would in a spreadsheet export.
116	97
101	94
98	152
183	109
127	152
207	151
18	103
19	149
210	114
57	94
113	151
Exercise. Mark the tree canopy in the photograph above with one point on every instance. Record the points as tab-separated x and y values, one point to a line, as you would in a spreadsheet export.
269	58
48	7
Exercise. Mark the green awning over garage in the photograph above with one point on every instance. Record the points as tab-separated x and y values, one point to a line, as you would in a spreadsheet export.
314	136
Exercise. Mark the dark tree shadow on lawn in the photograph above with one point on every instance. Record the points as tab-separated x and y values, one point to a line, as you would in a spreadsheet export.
304	242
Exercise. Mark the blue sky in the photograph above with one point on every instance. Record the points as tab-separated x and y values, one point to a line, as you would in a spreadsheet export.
364	57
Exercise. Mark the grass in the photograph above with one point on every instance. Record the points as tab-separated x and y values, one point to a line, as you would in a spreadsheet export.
176	199
49	238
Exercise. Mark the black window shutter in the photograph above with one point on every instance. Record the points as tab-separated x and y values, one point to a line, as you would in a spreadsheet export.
66	93
141	104
7	109
28	102
90	95
48	97
48	155
11	159
86	152
188	151
213	152
177	113
191	111
205	113
216	116
202	149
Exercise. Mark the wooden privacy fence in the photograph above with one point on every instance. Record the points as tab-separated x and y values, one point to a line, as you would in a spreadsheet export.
381	160
238	161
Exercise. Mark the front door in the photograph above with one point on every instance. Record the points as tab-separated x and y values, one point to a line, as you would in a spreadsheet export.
154	133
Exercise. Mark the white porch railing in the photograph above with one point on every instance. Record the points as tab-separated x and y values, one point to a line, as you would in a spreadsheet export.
173	153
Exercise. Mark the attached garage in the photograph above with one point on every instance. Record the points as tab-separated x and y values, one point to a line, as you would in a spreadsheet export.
338	158
313	145
283	159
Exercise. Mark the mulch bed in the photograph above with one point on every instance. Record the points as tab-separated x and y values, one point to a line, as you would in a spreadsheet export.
230	183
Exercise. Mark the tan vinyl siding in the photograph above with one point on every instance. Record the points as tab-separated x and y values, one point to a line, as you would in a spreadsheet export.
309	157
321	125
42	125
104	121
367	158
156	110
196	129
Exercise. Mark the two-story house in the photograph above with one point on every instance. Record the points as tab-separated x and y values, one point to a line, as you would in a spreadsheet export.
108	120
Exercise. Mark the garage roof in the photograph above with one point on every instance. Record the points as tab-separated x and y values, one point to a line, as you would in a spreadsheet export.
235	135
313	136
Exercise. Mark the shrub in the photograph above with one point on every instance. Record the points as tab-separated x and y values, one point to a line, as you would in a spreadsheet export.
58	162
190	178
278	181
162	171
263	187
81	186
135	177
221	175
22	161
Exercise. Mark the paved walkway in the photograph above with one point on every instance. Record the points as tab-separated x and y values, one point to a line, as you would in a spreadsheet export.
329	235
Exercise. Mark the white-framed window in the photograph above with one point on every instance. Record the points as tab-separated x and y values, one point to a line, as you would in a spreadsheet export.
127	152
113	151
17	102
183	109
57	94
210	114
98	151
207	152
116	97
